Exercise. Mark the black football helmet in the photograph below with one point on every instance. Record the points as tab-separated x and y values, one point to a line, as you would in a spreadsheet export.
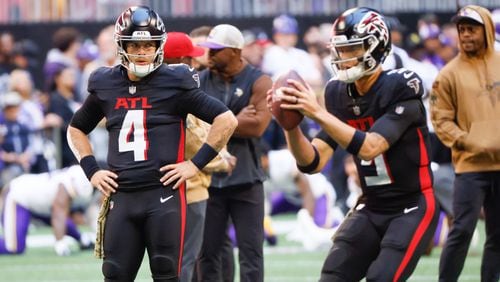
363	33
140	23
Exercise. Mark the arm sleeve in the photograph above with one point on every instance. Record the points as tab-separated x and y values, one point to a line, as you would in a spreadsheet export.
322	135
201	105
398	118
88	116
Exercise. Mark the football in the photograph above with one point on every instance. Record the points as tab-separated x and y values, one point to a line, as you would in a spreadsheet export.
287	119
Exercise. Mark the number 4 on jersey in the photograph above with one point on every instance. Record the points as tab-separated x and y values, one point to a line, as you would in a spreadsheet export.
133	128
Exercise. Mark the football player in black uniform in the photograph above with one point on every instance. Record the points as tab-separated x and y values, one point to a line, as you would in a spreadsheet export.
377	116
145	104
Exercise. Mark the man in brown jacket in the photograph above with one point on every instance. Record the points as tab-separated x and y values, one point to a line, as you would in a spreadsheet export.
465	109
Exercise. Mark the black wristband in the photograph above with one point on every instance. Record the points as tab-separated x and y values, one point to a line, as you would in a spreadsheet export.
356	142
89	165
204	155
313	165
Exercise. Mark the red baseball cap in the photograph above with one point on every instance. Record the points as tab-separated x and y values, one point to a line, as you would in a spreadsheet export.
178	45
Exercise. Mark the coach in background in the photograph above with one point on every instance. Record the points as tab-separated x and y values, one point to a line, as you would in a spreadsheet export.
242	88
465	107
179	49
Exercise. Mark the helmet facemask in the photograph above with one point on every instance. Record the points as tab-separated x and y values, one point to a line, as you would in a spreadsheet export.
127	59
357	50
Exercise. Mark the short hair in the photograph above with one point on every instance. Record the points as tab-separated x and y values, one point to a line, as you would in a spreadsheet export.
203	30
64	37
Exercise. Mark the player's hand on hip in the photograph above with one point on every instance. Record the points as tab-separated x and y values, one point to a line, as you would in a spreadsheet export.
300	97
104	181
179	172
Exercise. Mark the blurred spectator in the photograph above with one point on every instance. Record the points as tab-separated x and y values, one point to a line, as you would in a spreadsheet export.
66	43
15	148
31	115
448	48
430	33
87	53
449	31
398	31
398	54
199	35
317	46
107	47
414	46
256	42
284	56
7	42
62	103
24	56
495	14
106	57
6	45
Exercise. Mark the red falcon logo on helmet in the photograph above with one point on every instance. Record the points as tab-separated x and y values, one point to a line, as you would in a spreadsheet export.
373	22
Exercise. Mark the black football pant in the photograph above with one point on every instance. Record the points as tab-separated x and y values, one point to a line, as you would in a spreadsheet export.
381	246
473	191
245	206
136	221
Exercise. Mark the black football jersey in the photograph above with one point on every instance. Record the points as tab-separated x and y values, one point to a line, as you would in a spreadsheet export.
145	119
392	108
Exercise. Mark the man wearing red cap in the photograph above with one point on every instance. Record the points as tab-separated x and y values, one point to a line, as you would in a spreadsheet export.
179	49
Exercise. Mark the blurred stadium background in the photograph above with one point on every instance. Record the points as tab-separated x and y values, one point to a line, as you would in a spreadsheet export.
37	20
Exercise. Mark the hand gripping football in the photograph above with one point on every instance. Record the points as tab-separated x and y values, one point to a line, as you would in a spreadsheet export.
288	119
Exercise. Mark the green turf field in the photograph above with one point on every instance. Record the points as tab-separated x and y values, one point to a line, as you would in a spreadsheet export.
286	262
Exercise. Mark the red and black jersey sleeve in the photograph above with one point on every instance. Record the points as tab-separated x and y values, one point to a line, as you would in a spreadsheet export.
88	115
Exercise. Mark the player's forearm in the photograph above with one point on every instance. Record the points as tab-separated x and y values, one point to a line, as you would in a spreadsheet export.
370	146
339	131
249	127
60	211
58	222
79	143
308	201
222	129
219	163
300	146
